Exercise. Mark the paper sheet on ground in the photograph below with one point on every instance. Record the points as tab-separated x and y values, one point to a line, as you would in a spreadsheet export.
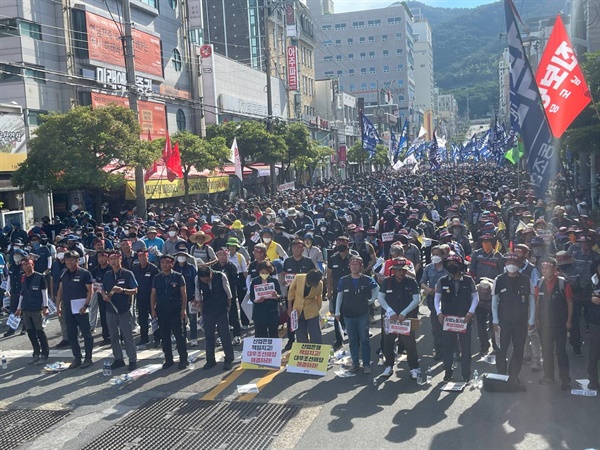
247	388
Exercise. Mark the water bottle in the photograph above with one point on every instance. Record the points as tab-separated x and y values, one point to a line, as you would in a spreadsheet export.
429	375
4	363
476	379
480	383
106	370
419	377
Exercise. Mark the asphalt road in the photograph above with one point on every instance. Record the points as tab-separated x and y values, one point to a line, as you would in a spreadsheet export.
352	413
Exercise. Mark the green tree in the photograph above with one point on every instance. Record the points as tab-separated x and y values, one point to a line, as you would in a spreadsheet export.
300	147
356	154
83	148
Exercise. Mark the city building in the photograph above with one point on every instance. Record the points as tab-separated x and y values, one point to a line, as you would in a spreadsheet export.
370	52
504	86
447	108
423	53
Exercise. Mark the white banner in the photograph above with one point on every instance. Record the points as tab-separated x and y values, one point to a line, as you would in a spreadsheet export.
286	186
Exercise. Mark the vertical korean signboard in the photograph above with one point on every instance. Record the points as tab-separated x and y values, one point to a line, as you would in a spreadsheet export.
292	62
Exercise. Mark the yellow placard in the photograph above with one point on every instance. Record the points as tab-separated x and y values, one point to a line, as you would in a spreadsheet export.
9	162
156	189
310	359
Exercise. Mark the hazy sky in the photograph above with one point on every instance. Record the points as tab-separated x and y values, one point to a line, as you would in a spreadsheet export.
357	5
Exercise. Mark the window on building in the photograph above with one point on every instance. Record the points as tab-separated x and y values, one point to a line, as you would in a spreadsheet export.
350	41
372	70
371	55
327	43
386	69
401	99
374	23
173	5
340	26
350	56
392	20
384	37
153	3
328	73
327	58
398	51
176	56
326	28
340	73
400	68
362	40
373	85
180	119
338	42
79	33
352	88
400	83
358	24
9	73
363	56
20	27
363	86
386	53
371	39
338	57
363	71
351	72
398	36
37	75
34	118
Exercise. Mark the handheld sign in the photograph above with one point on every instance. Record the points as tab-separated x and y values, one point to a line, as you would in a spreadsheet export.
13	322
265	291
387	237
294	320
289	277
455	324
309	359
261	353
397	327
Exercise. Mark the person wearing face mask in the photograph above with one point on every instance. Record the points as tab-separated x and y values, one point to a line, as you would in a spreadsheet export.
302	218
170	245
513	306
265	292
14	279
274	250
127	254
144	272
58	267
251	230
136	244
364	249
228	264
189	273
43	263
326	235
431	274
96	306
280	235
456	295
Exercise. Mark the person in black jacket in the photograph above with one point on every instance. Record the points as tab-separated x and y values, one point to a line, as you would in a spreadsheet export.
594	318
214	293
144	272
265	292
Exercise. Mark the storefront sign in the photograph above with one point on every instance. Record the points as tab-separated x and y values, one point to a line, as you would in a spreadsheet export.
156	189
116	79
194	13
105	45
292	62
13	141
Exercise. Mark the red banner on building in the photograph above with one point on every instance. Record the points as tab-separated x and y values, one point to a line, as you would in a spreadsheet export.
292	62
105	45
152	116
560	80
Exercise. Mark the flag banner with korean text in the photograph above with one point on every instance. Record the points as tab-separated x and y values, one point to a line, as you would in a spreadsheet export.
526	112
403	141
370	136
561	82
392	148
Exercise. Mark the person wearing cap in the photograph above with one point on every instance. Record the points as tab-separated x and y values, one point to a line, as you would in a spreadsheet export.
554	318
338	265
76	286
251	236
264	292
200	250
568	269
513	312
226	266
274	250
456	295
238	286
13	283
136	243
399	297
213	292
280	235
144	272
32	307
189	272
355	293
289	222
128	256
312	251
96	306
431	274
168	303
118	288
364	249
305	296
43	262
170	245
154	244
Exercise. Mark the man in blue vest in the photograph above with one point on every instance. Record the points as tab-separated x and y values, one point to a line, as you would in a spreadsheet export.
214	293
33	304
456	296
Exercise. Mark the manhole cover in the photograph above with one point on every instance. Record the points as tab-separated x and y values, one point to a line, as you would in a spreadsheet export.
202	424
20	425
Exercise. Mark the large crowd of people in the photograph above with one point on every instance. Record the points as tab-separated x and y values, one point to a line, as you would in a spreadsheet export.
472	244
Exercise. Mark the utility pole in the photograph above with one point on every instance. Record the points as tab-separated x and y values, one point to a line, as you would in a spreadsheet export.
127	39
267	53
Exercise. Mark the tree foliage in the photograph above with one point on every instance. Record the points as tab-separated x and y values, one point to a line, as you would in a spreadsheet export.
83	148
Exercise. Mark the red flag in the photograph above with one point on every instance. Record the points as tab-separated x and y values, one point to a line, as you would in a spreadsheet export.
152	170
174	169
561	82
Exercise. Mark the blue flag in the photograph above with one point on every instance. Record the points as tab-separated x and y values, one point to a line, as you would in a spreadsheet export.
370	136
433	154
403	140
527	116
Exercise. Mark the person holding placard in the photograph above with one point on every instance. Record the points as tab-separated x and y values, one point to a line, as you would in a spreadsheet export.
264	293
33	304
73	300
399	297
305	297
513	311
355	293
455	302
